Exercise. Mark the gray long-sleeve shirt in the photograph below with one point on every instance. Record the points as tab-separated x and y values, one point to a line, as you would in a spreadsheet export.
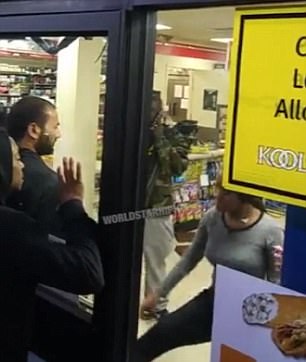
250	250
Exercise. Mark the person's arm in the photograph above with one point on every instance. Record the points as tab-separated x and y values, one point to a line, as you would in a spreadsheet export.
179	161
274	248
188	261
75	267
179	155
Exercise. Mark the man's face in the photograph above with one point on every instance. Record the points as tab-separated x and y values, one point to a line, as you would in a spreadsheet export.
49	135
17	169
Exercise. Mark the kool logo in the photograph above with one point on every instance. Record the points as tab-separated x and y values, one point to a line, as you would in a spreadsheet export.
281	158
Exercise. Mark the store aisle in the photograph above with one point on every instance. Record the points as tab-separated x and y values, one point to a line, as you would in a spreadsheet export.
188	288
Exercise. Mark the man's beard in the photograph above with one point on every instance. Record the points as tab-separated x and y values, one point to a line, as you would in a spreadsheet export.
45	145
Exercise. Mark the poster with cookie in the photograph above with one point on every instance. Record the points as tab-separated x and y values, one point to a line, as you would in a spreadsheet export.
256	321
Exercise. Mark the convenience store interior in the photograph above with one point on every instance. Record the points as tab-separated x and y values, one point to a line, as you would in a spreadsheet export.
199	42
191	73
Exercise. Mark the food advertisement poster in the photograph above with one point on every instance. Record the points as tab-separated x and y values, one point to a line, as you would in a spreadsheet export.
257	321
265	143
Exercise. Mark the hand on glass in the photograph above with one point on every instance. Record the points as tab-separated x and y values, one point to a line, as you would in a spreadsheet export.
70	179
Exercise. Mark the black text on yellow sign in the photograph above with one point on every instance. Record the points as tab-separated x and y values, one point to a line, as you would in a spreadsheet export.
266	136
295	108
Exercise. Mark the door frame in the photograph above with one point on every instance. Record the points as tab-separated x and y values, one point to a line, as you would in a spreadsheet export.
189	4
31	7
131	36
145	12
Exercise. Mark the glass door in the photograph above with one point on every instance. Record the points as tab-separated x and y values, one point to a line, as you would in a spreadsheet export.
71	62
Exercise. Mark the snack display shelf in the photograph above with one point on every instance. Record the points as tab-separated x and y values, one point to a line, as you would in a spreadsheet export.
194	191
20	81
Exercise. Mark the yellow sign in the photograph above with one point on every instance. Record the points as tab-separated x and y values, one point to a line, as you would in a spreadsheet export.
266	137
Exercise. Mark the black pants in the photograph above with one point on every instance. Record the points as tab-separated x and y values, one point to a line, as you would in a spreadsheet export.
190	324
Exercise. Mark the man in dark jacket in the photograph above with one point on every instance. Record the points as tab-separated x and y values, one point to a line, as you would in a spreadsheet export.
33	123
28	258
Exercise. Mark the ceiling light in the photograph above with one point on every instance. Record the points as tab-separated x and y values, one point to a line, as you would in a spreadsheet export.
222	40
162	27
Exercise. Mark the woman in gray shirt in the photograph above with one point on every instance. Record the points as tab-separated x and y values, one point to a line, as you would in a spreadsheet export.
238	234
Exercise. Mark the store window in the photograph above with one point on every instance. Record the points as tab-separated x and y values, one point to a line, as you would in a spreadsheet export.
70	73
189	109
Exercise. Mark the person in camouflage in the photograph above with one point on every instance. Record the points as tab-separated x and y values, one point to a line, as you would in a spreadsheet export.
168	157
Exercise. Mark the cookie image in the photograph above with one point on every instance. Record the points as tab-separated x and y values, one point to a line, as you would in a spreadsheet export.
272	310
259	308
290	338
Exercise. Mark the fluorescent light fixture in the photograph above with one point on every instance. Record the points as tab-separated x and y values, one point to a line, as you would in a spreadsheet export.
163	27
222	40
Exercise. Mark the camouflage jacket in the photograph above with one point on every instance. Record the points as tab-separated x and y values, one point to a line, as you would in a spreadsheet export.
168	157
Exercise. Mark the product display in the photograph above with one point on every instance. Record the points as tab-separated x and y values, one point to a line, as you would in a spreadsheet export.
22	81
194	191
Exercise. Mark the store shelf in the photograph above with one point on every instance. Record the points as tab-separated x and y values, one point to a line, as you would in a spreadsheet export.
192	198
186	226
42	85
21	74
25	74
10	95
206	156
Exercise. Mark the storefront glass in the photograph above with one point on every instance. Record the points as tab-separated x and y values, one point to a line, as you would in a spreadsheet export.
190	99
70	73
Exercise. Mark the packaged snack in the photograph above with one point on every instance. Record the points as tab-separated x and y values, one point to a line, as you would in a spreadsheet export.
189	212
180	214
177	196
184	194
193	191
198	211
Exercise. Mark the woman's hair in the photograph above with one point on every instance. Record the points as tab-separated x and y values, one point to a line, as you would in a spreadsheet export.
255	201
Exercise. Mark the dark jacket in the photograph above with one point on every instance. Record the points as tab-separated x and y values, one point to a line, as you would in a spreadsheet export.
168	157
39	196
28	258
